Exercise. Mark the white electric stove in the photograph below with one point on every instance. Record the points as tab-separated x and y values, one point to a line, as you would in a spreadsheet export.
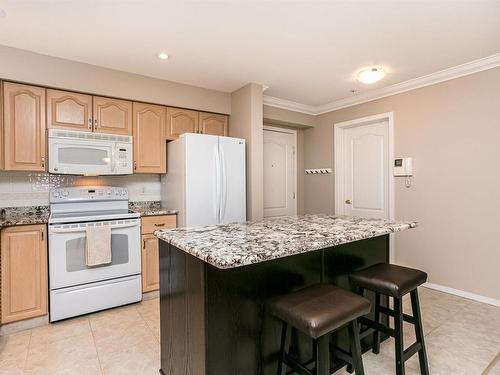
75	288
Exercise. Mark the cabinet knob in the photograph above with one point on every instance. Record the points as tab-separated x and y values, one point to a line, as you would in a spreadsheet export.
90	123
135	165
43	162
348	201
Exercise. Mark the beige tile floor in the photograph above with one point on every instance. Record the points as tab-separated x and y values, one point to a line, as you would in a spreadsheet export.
462	337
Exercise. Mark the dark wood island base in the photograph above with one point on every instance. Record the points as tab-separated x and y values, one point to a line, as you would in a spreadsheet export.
214	321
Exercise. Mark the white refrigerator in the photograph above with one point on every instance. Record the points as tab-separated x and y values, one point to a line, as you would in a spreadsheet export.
205	180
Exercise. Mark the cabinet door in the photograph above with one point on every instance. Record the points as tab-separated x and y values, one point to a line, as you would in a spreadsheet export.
24	127
150	263
180	121
24	272
69	110
213	124
149	138
112	116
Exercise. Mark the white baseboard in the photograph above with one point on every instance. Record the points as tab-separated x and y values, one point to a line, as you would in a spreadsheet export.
461	293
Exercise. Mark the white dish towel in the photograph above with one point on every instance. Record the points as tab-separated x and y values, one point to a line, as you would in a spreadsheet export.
98	245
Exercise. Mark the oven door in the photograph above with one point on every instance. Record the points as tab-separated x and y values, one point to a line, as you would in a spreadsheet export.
67	253
74	156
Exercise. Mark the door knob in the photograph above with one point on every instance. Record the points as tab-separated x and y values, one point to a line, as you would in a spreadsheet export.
348	201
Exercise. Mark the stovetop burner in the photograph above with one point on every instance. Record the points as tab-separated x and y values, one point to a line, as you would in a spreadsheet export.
72	205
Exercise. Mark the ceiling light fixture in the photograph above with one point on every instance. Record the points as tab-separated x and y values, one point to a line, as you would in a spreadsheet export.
162	56
371	75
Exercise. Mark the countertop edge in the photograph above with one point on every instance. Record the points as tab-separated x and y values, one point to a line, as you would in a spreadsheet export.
396	227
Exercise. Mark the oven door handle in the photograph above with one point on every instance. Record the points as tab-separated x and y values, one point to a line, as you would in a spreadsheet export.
82	229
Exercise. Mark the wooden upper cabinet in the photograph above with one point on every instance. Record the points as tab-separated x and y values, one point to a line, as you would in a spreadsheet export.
69	110
213	124
24	127
112	116
180	121
24	272
149	138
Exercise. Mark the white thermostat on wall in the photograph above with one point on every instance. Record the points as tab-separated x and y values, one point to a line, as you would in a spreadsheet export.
403	167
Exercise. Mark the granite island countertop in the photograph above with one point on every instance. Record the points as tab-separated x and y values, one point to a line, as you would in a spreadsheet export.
234	245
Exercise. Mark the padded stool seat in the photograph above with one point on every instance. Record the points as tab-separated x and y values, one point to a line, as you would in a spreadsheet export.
319	309
393	281
389	279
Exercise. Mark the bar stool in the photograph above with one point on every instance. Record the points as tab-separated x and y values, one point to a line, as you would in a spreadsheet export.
394	281
317	311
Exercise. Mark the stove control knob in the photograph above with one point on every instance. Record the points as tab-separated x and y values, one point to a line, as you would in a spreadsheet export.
124	192
55	194
65	193
108	191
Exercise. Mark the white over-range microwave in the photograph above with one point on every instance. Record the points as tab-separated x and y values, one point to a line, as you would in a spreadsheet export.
90	154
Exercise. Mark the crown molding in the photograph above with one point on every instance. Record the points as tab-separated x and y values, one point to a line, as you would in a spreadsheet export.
289	105
458	71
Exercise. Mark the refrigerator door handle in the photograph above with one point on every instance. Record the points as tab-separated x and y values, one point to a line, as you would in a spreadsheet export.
217	184
223	184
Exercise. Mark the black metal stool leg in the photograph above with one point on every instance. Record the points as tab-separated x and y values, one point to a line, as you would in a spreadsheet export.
419	332
398	331
323	356
376	333
356	348
360	291
284	338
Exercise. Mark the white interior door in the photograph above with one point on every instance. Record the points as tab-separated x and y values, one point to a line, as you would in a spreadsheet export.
366	170
279	172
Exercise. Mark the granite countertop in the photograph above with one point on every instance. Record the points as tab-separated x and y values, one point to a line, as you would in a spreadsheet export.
234	245
150	208
40	214
24	215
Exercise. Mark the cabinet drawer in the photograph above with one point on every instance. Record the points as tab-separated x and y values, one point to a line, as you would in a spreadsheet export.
152	223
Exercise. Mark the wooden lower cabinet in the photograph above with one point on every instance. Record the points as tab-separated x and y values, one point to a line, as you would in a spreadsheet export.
149	255
23	272
150	263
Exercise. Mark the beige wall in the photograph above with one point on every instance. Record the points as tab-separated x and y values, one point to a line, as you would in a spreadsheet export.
452	130
247	122
25	66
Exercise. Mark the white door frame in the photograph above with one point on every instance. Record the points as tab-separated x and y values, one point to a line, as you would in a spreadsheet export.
338	141
294	132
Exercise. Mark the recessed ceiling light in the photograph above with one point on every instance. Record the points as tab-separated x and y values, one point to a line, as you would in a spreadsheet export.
371	75
2	13
162	56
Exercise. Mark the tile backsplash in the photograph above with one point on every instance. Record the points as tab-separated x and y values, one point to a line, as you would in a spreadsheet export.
32	189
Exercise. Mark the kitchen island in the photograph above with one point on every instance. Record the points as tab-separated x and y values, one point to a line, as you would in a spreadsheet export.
215	282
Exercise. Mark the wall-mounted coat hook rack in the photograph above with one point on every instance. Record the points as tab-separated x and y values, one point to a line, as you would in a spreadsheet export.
319	171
